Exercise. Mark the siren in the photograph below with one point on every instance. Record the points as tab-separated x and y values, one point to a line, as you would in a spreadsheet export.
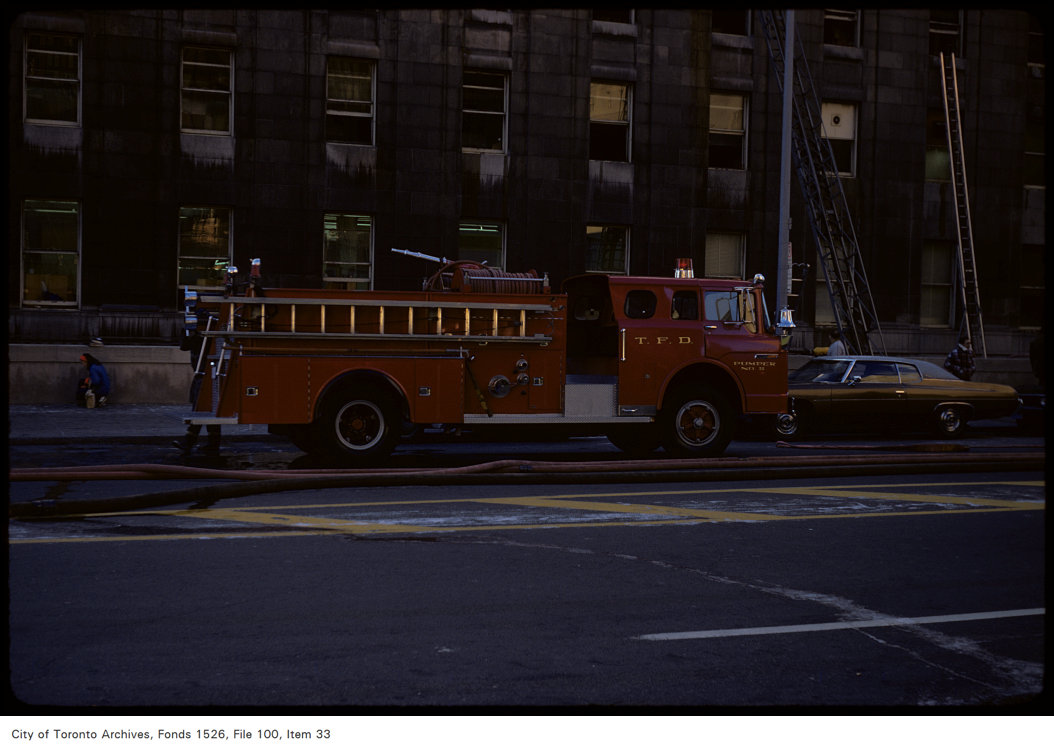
684	269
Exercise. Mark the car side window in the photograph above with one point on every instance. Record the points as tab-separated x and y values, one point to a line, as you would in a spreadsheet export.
909	373
640	304
722	306
685	305
876	371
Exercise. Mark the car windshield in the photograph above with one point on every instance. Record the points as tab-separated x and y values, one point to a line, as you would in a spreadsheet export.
821	370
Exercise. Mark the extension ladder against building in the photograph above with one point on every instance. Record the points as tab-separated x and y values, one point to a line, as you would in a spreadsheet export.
829	217
970	295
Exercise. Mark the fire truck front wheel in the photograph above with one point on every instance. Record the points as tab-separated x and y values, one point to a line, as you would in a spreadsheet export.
360	425
695	422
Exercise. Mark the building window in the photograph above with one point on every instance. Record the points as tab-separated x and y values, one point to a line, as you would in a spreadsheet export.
1033	286
206	102
731	22
52	85
349	101
945	31
483	98
839	125
728	134
607	249
1035	171
935	303
50	252
609	121
938	159
823	312
347	253
204	246
1036	45
840	27
613	15
483	242
724	255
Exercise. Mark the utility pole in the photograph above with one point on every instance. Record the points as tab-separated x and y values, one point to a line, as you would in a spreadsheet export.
783	254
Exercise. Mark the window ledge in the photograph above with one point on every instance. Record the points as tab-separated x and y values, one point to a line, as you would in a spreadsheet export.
837	51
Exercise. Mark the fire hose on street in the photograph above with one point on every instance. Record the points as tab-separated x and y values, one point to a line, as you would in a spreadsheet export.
253	482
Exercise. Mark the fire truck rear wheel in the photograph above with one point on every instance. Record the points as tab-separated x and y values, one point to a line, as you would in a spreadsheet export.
360	425
695	422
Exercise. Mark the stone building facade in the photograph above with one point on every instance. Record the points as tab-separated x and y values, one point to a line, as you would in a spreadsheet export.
151	149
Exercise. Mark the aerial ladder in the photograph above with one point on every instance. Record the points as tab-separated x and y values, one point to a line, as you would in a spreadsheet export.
971	324
829	217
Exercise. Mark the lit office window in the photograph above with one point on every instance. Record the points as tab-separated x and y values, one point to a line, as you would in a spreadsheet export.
728	134
607	249
724	255
839	126
483	242
609	121
204	251
207	100
50	252
349	101
52	83
347	250
935	302
483	101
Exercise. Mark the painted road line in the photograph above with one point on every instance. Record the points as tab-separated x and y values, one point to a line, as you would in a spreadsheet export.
650	509
841	493
884	622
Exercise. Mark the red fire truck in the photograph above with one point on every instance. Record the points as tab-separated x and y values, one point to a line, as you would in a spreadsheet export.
646	361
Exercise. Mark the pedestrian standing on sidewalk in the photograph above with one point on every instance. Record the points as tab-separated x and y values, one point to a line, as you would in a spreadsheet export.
95	385
837	347
960	359
197	345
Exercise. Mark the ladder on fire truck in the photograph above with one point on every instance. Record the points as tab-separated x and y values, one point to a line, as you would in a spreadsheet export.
829	217
378	319
971	324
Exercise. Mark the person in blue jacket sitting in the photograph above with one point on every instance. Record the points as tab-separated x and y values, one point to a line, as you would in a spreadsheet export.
95	379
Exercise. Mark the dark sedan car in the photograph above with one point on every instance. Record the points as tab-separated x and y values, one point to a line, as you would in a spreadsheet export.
870	393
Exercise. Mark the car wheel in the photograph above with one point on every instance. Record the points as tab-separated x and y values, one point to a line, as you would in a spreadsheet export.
788	426
358	425
637	440
695	422
950	421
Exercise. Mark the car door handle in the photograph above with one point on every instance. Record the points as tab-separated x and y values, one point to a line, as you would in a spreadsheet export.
710	327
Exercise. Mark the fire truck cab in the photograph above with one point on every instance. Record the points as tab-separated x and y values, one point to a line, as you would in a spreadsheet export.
647	361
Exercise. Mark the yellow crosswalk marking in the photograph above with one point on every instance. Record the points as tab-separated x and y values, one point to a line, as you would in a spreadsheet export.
284	524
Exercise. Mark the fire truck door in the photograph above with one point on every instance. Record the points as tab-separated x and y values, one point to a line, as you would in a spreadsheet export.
733	338
643	349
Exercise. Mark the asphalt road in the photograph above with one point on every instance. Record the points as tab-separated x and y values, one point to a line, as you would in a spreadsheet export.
918	590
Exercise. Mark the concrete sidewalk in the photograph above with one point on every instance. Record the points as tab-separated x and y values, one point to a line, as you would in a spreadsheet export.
53	423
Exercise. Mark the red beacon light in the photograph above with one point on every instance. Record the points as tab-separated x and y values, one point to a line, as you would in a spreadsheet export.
684	269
